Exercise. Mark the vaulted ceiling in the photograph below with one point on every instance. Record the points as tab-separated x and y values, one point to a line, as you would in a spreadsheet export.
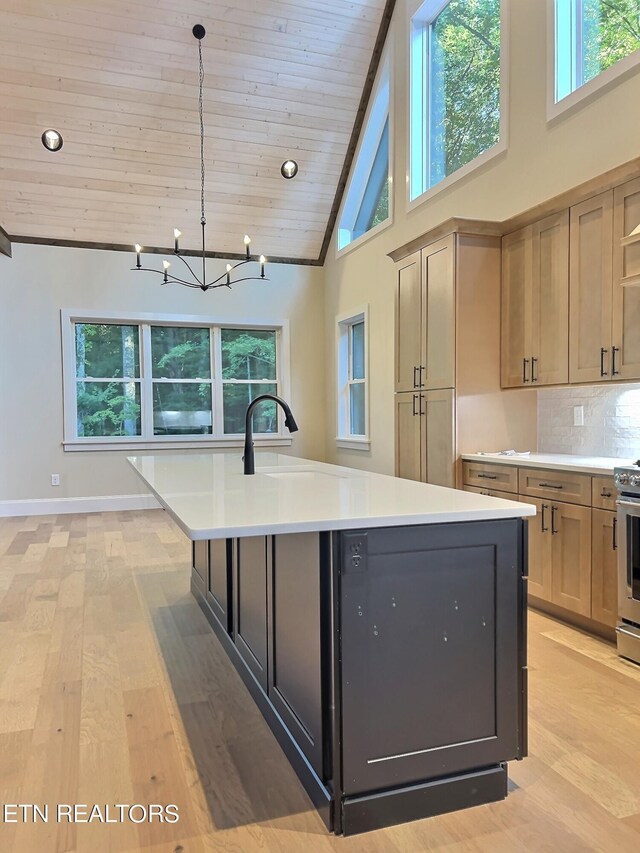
118	79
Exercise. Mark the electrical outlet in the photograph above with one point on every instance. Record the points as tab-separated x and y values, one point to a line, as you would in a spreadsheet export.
55	479
578	415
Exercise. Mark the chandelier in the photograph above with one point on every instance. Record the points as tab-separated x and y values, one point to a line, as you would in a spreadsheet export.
193	279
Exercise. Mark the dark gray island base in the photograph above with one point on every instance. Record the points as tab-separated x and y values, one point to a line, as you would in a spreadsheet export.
390	663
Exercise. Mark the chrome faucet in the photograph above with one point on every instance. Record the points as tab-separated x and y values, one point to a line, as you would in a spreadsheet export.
289	422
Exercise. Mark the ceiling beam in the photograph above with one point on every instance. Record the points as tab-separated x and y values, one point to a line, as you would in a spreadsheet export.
357	127
5	243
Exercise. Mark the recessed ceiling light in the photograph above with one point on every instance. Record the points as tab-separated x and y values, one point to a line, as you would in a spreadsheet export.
52	140
289	169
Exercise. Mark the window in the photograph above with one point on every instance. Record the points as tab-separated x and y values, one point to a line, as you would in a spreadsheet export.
140	379
593	38
457	109
352	381
367	200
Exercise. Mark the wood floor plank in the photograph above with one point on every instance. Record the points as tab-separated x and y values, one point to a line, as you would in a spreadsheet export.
113	689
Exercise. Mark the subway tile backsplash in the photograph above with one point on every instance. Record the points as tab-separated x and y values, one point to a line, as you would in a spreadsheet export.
611	420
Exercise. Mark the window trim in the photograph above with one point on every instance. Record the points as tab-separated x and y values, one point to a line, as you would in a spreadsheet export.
592	89
72	442
424	11
385	68
344	324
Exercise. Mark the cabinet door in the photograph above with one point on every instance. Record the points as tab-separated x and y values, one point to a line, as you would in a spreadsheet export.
550	301
571	557
250	597
604	568
539	584
219	584
295	637
626	300
438	437
438	315
590	273
408	333
516	310
408	436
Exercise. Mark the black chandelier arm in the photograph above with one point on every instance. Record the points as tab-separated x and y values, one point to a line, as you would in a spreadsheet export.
236	281
233	269
178	255
170	276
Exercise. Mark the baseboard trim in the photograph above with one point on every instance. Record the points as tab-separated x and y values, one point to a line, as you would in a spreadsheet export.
63	506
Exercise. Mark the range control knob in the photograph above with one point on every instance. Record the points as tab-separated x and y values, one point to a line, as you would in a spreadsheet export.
622	479
634	480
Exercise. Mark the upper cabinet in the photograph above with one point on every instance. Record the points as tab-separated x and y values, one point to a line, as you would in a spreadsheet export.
591	274
626	263
535	304
425	319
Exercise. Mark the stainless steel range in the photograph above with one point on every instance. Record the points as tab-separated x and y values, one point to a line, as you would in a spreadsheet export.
627	480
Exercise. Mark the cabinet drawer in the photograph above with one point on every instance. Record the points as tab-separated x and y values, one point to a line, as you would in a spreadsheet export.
488	476
603	493
492	493
556	485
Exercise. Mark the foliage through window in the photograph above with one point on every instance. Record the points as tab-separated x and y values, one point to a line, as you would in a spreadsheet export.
144	380
352	377
366	202
455	88
590	37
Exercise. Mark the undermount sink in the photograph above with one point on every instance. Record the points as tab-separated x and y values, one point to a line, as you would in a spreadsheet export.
296	471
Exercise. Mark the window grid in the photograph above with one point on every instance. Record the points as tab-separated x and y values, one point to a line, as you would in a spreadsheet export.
352	381
147	382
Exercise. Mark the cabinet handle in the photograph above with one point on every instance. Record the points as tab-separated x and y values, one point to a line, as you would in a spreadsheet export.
543	528
421	399
615	533
604	494
614	350
548	486
534	372
603	352
554	529
421	369
415	397
525	362
487	476
415	377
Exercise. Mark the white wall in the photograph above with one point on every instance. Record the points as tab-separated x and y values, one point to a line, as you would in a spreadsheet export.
611	420
542	161
40	280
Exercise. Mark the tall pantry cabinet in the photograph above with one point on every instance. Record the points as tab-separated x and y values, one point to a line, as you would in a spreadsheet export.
447	355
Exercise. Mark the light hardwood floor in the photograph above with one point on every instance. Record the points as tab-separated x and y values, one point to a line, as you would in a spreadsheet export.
114	690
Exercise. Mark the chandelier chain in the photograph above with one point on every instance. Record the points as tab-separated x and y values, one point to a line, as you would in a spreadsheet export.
201	111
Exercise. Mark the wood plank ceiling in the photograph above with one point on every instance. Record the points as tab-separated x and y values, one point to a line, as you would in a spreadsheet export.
118	79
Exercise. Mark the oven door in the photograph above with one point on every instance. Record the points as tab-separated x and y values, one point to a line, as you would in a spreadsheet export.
629	559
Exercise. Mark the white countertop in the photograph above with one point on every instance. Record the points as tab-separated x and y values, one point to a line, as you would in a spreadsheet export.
210	498
598	465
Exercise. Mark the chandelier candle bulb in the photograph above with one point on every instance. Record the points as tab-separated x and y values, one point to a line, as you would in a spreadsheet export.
138	249
263	261
176	234
166	266
229	268
247	243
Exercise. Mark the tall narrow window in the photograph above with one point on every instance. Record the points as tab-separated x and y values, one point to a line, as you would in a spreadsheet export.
591	37
352	379
181	369
456	114
249	368
367	200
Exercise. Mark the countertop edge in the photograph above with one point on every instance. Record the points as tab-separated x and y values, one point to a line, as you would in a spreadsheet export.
525	462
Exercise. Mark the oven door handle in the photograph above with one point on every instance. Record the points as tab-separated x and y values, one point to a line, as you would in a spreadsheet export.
629	504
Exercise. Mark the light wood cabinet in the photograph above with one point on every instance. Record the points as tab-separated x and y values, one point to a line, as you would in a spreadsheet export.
571	557
539	583
517	264
408	331
550	300
626	300
566	486
591	276
425	425
488	475
603	493
604	567
438	316
535	304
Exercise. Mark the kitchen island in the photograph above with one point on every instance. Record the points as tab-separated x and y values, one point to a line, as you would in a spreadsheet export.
378	623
